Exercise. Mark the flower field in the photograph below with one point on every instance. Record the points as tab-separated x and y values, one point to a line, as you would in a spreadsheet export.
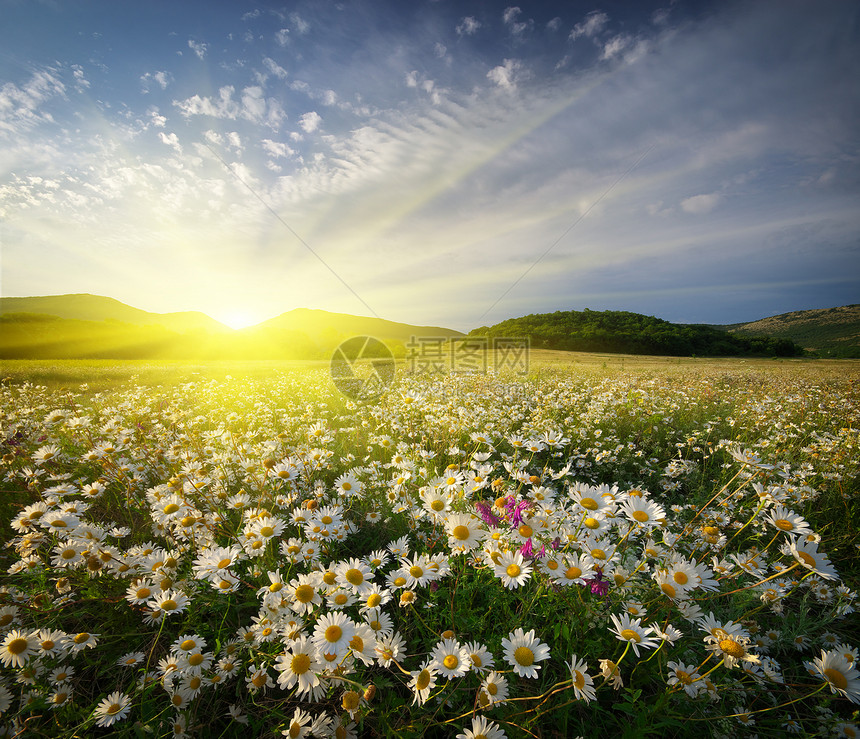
652	552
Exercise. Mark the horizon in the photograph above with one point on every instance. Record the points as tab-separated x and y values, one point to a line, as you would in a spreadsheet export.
438	164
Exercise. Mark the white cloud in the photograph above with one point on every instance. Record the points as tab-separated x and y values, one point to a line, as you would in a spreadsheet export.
234	140
301	25
253	107
615	46
510	14
158	120
81	82
160	78
508	74
275	68
468	26
171	139
198	48
310	122
19	106
251	15
224	107
213	137
700	204
276	148
593	24
440	50
412	78
283	37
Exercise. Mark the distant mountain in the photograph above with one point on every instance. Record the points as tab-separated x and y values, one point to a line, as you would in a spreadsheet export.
91	326
624	332
826	331
86	307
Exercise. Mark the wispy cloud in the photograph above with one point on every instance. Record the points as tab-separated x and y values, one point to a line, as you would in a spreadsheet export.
198	48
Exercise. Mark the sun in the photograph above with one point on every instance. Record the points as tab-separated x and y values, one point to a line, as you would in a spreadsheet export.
238	319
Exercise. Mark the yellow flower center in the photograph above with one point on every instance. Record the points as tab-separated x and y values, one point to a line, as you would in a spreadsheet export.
571	573
188	645
300	664
668	589
525	530
356	643
683	677
640	516
195	659
591	523
82	638
513	570
578	679
171	508
423	680
461	533
680	578
524	656
807	559
836	678
598	553
589	503
224	563
437	505
17	646
333	633
630	635
169	605
451	661
266	531
259	680
783	524
732	648
341	599
492	688
416	571
354	577
373	600
304	593
350	700
329	578
114	709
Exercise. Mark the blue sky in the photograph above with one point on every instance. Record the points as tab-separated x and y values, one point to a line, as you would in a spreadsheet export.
450	163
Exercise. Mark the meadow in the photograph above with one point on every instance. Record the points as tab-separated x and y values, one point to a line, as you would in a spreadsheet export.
610	545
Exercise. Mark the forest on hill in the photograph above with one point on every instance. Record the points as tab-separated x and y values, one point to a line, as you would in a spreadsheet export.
624	332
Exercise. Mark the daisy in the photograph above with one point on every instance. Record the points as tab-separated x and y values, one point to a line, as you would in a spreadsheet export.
631	631
60	697
788	521
363	644
305	595
839	672
686	676
258	678
416	571
18	647
389	646
168	603
112	709
464	532
522	650
131	659
494	688
575	569
643	513
808	555
51	643
482	729
298	725
422	682
512	570
332	633
582	682
450	659
354	574
481	658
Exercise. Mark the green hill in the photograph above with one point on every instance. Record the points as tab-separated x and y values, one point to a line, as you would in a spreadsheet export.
86	307
632	333
830	332
95	327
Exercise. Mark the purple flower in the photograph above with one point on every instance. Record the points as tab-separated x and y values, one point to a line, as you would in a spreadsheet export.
598	585
517	513
486	514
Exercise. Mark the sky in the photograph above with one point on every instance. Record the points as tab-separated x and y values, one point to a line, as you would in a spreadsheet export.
447	162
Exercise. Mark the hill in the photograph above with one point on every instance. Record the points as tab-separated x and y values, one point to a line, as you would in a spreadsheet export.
632	333
90	326
87	307
830	332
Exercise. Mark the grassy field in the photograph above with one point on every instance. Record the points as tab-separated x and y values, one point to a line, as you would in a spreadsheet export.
635	546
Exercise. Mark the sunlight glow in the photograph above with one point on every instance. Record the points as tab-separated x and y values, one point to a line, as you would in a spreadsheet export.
237	319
